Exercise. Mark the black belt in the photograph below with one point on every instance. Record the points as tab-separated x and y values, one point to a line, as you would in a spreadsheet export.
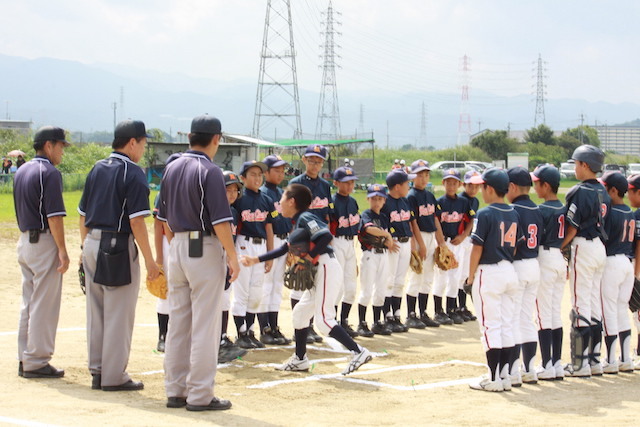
376	250
331	254
256	240
403	239
346	237
546	248
282	236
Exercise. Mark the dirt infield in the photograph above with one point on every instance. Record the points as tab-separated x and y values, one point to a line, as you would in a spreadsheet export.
418	378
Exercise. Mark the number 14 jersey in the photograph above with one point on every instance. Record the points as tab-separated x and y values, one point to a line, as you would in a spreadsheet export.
496	229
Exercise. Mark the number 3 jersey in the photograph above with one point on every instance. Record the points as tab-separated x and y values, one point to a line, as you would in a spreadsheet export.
620	227
496	229
532	224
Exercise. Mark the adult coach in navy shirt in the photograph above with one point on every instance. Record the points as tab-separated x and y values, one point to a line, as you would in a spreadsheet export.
196	209
112	210
42	254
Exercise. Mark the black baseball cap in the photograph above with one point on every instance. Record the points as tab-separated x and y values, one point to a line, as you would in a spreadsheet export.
520	176
634	182
49	133
376	190
419	166
253	163
546	173
494	177
451	173
130	129
206	124
316	150
398	176
273	161
616	180
344	174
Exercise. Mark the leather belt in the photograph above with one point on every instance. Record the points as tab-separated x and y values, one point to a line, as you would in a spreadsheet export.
282	236
346	237
403	239
256	240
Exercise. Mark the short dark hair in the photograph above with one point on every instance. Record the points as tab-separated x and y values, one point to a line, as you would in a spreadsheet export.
620	193
498	193
120	142
39	145
201	139
300	194
554	187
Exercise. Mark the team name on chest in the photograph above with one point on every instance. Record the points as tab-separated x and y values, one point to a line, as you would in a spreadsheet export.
399	216
451	217
319	203
256	216
426	210
344	222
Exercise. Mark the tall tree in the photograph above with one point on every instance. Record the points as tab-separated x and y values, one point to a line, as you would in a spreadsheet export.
495	143
542	133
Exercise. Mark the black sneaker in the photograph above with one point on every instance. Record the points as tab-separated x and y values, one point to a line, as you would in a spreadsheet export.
395	324
443	319
279	337
255	340
455	317
228	353
380	328
364	331
243	341
397	321
266	337
428	321
414	322
226	342
469	315
314	335
347	327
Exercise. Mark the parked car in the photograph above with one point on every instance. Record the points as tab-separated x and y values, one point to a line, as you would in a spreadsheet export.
450	164
633	169
568	170
614	167
481	166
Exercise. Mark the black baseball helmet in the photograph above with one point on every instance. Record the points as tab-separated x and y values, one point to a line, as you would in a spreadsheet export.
231	178
593	156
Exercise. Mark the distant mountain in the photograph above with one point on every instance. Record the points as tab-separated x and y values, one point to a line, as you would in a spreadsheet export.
631	123
80	97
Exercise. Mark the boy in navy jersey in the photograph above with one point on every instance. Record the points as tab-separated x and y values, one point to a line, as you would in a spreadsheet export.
274	279
344	225
634	201
493	278
528	271
254	236
617	281
455	216
553	273
424	206
401	217
469	193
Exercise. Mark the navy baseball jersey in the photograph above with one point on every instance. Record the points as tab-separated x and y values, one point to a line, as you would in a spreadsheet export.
37	194
115	191
496	229
587	206
400	215
371	219
454	213
314	226
345	219
234	223
531	224
474	203
255	210
321	192
636	215
281	225
621	230
193	180
554	223
424	205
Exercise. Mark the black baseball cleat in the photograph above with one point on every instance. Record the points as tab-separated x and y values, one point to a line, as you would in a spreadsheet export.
395	324
216	404
243	341
266	337
47	371
428	321
414	322
455	317
380	328
176	402
255	341
347	327
20	370
160	347
279	337
130	385
314	334
443	319
96	381
364	331
469	315
229	351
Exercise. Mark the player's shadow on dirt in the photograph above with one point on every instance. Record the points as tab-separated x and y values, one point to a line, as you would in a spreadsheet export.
138	401
570	395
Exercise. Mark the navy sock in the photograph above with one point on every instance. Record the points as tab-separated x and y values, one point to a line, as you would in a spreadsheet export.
462	298
556	338
624	349
273	319
396	302
493	361
163	326
528	352
263	320
340	335
505	358
225	322
422	302
250	318
515	355
301	341
610	342
387	306
411	304
362	312
451	304
596	342
344	312
239	321
545	336
437	302
377	311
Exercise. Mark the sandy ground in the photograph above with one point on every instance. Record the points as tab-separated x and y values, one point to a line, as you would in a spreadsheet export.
420	377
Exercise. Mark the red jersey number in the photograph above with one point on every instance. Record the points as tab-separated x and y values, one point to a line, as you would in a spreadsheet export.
532	241
508	236
561	227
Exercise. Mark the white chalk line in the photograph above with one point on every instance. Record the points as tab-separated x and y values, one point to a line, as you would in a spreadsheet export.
20	422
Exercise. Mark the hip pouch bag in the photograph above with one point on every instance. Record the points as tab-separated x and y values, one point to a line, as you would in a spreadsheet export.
113	267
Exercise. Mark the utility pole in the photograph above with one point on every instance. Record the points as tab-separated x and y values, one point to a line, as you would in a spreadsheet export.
464	122
508	129
122	116
7	107
540	93
581	128
277	100
479	125
328	121
115	107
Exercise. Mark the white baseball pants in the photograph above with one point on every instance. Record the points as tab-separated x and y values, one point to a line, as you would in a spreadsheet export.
374	278
398	267
247	289
346	255
616	292
447	282
273	282
553	273
421	283
586	267
528	272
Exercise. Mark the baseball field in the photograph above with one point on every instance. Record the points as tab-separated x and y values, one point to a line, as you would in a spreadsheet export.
417	378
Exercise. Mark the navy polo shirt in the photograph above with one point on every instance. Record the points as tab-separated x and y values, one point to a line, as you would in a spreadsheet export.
116	191
453	213
255	210
553	217
37	194
496	229
194	197
345	219
321	193
372	219
620	228
425	208
281	225
400	216
531	224
587	207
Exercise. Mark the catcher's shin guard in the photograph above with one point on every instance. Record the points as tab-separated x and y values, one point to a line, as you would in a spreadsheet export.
579	343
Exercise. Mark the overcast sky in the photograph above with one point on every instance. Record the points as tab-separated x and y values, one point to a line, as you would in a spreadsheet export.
590	47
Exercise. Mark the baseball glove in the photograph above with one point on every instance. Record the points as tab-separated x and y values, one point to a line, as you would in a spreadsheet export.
371	240
81	277
301	275
158	286
444	258
416	262
634	301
